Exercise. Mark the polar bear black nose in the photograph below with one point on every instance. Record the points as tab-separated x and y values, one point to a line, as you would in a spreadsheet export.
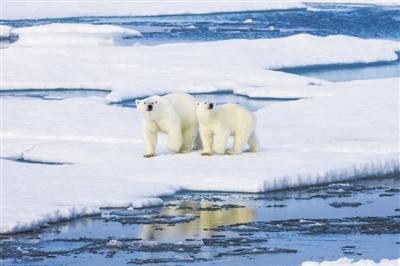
149	107
210	106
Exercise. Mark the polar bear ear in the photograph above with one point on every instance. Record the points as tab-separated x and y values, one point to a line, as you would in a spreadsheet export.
137	102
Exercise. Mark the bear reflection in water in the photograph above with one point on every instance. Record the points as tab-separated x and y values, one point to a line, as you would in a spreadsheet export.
210	215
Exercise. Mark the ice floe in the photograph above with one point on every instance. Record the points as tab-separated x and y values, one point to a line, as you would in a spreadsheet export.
5	31
72	34
242	66
352	262
350	133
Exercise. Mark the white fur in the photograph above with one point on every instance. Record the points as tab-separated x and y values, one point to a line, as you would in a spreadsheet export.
217	124
173	114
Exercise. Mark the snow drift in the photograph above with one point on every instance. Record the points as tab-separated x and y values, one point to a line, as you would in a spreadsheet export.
72	34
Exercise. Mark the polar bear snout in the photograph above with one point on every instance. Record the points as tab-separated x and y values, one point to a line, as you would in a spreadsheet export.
210	106
149	107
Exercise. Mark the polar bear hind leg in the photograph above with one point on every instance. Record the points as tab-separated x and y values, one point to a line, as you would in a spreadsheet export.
188	136
175	141
197	145
240	139
253	143
220	143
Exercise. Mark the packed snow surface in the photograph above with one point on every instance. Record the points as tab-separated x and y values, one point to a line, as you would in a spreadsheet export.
351	262
72	34
243	66
350	133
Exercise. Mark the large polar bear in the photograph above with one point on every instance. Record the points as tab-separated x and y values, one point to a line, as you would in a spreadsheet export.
174	114
218	123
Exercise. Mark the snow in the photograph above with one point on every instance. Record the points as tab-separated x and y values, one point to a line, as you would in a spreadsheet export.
352	132
32	9
130	72
352	262
5	31
72	34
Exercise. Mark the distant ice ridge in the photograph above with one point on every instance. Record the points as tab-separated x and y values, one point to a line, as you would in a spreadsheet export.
72	34
243	66
32	9
352	262
5	31
348	134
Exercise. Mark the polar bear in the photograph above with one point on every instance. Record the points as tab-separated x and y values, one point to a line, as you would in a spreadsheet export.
174	114
218	123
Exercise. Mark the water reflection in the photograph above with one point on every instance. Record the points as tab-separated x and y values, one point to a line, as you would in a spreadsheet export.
210	215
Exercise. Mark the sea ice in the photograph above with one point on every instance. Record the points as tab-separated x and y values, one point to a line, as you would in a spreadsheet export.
243	66
5	31
348	134
72	34
352	262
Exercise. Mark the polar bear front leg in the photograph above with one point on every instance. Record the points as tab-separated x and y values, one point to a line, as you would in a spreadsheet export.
175	140
150	139
207	141
220	142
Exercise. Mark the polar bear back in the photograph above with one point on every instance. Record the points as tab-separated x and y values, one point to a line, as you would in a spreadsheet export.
185	105
235	117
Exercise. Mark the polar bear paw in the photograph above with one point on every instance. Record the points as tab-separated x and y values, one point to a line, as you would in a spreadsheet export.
206	154
149	155
232	152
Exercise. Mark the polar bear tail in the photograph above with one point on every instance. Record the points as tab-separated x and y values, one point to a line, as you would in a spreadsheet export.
253	143
197	145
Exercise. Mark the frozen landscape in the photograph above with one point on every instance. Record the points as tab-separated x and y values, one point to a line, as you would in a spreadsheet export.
75	185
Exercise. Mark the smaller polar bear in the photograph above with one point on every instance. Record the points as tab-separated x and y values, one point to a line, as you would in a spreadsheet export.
217	124
174	114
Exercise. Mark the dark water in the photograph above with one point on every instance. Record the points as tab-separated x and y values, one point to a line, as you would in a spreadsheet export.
348	72
357	220
365	21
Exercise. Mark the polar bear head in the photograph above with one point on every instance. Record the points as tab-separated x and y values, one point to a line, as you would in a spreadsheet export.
206	106
150	108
